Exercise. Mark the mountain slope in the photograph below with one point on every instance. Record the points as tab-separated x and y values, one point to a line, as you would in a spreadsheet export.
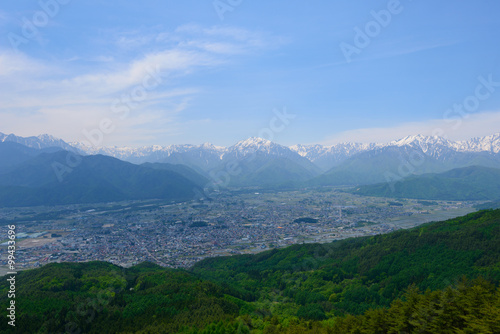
392	163
199	157
202	158
377	166
12	154
183	170
462	184
207	156
260	162
94	179
264	172
367	272
61	298
326	157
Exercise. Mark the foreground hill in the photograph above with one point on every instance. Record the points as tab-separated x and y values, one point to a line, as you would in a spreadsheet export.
310	288
360	273
461	184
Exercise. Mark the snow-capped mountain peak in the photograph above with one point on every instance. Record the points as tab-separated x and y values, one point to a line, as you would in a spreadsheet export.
427	143
305	150
420	140
489	144
254	142
207	154
38	142
211	146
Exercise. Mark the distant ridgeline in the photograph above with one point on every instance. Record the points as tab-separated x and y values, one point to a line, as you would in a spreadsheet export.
462	184
360	285
416	167
30	177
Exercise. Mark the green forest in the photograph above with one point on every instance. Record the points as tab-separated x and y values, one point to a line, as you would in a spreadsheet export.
440	277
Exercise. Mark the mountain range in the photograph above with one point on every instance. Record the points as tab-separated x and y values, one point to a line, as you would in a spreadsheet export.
256	162
30	177
39	142
207	156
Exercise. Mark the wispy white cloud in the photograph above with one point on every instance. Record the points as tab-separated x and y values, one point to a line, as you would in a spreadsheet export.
217	31
133	40
16	63
237	37
215	47
62	99
164	63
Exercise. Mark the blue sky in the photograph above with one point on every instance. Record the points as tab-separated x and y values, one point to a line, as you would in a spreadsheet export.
130	73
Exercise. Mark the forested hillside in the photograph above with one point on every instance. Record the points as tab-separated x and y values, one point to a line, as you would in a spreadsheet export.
46	179
461	184
438	278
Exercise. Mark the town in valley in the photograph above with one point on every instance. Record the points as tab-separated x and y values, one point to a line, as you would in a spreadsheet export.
232	222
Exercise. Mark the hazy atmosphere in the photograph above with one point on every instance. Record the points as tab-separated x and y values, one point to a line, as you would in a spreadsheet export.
189	72
249	167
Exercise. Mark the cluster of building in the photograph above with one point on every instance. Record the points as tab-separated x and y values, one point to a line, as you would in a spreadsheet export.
179	234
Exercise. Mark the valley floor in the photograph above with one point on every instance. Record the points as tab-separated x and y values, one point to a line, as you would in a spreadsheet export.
180	234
